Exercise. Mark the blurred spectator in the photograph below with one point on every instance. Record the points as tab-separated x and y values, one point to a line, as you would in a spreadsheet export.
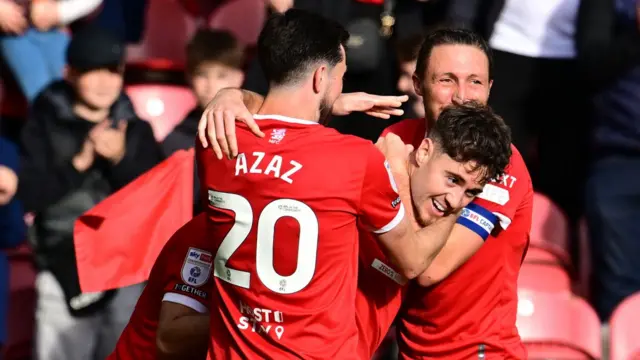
125	18
82	142
407	50
33	42
608	43
214	61
534	51
12	228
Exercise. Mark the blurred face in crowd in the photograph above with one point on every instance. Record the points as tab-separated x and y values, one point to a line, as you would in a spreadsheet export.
405	86
332	86
98	88
209	78
441	185
454	74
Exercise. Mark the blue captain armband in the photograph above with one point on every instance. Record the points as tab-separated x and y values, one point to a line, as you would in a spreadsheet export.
478	219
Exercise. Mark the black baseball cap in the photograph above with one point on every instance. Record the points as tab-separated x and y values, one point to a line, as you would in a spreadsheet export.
94	48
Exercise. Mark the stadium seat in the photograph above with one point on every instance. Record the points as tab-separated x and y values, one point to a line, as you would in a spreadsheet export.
550	228
22	302
164	106
625	327
168	29
544	278
243	18
558	326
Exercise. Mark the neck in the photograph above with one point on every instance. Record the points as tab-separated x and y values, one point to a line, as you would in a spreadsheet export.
290	102
90	114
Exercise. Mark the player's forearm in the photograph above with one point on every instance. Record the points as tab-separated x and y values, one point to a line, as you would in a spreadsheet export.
185	337
253	101
423	246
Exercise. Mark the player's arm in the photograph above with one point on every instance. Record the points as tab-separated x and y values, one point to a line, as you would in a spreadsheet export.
487	216
183	332
183	325
411	248
218	122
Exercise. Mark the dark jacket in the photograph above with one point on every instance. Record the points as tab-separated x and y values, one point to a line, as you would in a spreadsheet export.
608	45
183	137
50	185
12	232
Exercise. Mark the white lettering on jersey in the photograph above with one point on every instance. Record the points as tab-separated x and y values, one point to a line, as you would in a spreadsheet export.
254	168
261	320
494	194
507	180
286	176
274	167
241	164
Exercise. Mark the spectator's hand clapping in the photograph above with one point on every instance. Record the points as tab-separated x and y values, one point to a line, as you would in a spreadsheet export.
382	107
110	143
44	14
8	184
84	159
12	18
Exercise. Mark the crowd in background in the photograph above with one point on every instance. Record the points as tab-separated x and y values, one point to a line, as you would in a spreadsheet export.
566	78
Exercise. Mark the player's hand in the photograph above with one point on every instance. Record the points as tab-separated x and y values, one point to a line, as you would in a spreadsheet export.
44	14
218	123
382	107
12	18
396	152
8	184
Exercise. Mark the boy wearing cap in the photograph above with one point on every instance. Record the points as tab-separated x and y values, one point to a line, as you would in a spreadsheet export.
82	142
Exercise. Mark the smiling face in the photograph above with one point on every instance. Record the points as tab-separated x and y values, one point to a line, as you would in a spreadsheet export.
441	185
454	74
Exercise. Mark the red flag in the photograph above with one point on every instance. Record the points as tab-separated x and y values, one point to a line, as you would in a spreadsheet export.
118	240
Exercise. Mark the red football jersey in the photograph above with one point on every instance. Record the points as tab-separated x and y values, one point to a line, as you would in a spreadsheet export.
181	274
380	293
473	311
284	218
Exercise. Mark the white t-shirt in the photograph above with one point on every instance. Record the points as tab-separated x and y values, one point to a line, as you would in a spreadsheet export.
537	28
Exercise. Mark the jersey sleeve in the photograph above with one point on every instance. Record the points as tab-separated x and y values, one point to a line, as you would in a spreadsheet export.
188	278
380	206
499	200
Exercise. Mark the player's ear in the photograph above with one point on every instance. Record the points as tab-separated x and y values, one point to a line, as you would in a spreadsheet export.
424	151
320	76
417	84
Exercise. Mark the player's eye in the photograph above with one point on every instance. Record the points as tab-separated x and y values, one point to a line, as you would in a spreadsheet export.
452	180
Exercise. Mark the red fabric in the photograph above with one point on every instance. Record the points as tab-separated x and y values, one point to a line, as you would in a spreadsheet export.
118	241
168	283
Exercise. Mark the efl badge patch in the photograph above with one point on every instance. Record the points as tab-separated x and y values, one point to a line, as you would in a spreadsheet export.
196	267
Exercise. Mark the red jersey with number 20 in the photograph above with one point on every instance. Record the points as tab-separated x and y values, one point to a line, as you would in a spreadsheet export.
284	215
472	313
177	276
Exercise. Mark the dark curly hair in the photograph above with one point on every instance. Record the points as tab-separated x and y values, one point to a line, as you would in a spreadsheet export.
473	132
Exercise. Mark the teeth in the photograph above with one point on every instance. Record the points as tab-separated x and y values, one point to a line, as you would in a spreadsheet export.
438	206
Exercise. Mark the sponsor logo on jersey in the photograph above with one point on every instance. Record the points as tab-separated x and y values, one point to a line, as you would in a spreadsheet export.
196	267
495	194
395	202
277	135
389	272
190	290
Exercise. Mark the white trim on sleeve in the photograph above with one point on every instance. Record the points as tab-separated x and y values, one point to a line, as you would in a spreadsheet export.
396	220
186	301
504	220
